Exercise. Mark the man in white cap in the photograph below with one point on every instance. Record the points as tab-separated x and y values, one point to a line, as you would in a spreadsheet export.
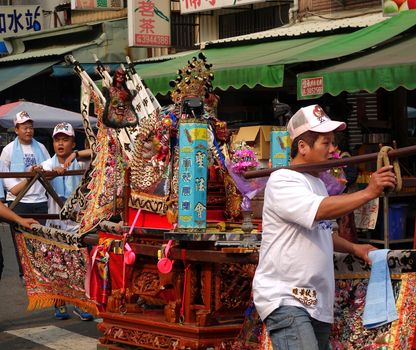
294	283
63	144
21	155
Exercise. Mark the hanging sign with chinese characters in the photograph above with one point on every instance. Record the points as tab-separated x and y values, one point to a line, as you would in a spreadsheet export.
188	6
149	23
193	168
312	86
20	19
96	4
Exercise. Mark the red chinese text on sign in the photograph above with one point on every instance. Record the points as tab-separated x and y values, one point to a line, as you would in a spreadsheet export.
312	86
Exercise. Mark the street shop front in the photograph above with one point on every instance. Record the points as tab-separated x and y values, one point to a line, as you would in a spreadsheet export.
167	209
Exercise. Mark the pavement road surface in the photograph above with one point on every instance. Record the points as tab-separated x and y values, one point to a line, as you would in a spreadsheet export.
35	330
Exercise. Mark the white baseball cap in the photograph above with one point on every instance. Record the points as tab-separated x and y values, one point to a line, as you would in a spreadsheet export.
312	118
63	128
21	117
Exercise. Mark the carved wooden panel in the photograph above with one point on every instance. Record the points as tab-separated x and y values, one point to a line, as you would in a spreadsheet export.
233	285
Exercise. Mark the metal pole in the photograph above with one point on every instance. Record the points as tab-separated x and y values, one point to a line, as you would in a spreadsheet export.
321	166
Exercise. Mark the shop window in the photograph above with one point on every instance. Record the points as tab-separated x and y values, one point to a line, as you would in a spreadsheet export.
364	113
182	31
252	21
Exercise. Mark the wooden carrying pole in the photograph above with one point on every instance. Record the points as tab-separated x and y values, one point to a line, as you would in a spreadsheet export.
321	166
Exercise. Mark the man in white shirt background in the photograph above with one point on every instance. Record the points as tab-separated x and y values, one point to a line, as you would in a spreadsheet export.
21	155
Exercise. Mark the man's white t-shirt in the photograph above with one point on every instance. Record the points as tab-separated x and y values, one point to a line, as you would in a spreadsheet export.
54	208
296	255
3	169
37	192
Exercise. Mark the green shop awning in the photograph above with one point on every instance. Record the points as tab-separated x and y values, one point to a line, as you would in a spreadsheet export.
263	63
388	68
233	66
11	75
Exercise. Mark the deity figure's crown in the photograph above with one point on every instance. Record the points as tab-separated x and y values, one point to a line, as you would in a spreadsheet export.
193	80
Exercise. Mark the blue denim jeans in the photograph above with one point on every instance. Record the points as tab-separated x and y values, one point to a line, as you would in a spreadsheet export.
292	328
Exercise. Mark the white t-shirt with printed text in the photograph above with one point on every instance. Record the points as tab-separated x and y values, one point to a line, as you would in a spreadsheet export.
296	255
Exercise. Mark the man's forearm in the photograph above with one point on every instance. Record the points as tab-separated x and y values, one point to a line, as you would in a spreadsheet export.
361	251
341	245
333	207
19	187
8	214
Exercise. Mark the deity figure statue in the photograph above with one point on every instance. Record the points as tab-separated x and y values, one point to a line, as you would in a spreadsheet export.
119	111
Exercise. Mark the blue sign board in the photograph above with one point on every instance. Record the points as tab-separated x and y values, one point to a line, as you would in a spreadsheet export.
15	20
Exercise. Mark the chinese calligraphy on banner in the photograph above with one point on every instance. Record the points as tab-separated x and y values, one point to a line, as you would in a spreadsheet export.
20	19
366	216
188	6
193	163
149	23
